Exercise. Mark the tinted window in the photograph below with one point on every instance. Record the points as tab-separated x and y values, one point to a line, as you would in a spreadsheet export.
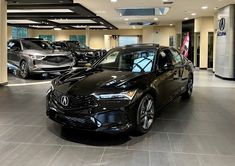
176	56
164	59
134	61
36	45
14	45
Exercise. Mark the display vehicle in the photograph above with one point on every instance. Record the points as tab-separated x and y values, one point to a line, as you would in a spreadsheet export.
123	90
35	56
82	54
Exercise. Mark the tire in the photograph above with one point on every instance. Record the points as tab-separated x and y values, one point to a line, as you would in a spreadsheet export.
24	69
189	88
145	114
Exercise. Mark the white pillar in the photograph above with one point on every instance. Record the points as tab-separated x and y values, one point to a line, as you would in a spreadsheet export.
3	42
87	35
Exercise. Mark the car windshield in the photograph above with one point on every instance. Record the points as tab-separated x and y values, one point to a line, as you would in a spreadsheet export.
36	45
76	45
134	61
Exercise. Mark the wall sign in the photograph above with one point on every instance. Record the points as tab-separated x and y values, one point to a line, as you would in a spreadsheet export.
222	24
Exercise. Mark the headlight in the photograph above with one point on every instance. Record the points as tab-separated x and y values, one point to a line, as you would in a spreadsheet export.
90	53
50	89
37	57
128	95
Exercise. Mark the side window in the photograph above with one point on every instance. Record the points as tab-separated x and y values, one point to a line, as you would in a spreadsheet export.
177	58
111	58
14	45
164	59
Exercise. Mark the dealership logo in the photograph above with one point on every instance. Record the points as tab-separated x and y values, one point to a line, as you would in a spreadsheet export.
64	101
222	23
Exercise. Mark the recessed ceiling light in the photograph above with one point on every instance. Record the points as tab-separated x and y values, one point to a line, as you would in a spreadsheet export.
171	24
113	1
204	7
126	19
186	18
193	14
155	19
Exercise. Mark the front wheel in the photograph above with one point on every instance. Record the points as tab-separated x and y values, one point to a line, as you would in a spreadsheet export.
24	69
189	88
145	114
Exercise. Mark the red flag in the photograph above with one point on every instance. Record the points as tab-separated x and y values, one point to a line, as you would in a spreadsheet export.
185	45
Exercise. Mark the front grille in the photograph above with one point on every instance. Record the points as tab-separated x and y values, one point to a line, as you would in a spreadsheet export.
78	102
57	59
56	69
84	122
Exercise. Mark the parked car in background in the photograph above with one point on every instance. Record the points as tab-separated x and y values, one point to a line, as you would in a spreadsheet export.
123	90
35	56
82	54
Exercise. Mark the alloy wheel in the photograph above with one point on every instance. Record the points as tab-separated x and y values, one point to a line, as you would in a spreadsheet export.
147	112
24	70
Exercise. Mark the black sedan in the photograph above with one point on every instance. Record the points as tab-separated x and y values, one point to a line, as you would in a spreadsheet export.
123	90
82	54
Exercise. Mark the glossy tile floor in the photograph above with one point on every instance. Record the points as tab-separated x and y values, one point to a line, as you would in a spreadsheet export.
195	132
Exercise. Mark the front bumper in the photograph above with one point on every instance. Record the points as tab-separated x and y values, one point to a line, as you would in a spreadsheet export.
42	66
92	119
38	70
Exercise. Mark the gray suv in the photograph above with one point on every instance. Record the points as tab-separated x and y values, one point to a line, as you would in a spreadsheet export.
35	56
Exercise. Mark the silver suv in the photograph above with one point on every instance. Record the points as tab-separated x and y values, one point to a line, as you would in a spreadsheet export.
35	56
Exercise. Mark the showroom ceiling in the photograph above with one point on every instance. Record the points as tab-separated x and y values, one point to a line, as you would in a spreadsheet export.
48	14
179	10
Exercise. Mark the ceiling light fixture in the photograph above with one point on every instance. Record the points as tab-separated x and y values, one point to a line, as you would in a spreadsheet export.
39	11
171	24
155	19
126	19
193	14
204	7
186	18
57	29
113	1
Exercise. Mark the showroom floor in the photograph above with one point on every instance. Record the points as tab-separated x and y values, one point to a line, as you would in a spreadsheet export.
195	132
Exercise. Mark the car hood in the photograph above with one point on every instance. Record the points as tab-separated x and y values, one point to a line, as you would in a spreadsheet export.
46	52
88	81
86	50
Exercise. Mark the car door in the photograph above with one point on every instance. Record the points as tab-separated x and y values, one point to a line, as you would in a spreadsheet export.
179	69
165	81
14	49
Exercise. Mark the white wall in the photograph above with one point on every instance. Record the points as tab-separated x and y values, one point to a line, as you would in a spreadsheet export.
158	35
204	25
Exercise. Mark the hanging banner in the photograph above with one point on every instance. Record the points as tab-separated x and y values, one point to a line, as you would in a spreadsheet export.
185	45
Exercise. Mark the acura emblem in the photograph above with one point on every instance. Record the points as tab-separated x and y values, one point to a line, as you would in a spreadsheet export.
222	24
64	101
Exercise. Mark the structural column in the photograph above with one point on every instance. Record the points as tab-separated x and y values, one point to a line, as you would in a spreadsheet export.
3	42
87	35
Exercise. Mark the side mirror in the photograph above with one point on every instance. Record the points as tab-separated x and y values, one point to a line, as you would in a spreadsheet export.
16	49
168	67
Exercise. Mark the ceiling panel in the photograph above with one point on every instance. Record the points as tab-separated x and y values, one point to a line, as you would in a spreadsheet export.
62	14
179	9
